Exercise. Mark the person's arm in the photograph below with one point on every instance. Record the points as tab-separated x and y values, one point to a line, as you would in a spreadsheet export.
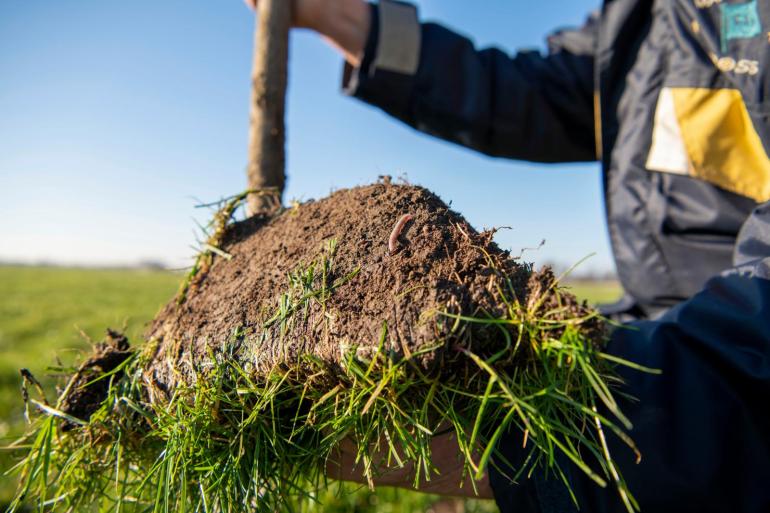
344	24
526	106
703	425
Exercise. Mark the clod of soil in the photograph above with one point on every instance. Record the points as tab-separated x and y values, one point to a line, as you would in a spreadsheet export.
87	389
440	264
374	314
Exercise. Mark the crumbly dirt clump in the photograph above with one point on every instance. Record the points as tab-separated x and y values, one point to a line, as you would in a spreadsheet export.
85	391
358	296
318	324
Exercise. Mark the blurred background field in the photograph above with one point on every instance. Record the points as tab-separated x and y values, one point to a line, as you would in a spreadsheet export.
48	313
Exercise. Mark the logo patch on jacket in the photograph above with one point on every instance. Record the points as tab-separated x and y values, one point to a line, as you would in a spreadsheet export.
739	21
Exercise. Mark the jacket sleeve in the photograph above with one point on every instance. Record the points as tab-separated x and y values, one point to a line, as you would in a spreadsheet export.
528	106
703	425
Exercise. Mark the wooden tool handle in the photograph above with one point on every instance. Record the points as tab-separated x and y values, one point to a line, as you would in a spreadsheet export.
267	133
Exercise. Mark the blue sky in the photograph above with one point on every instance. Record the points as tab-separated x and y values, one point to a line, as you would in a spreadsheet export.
115	116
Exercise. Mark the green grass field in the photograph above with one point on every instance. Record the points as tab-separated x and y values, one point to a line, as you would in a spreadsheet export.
45	313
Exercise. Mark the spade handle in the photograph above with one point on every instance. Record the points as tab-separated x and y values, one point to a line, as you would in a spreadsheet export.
267	129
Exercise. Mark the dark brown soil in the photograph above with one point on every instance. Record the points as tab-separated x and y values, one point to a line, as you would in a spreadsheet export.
85	392
442	264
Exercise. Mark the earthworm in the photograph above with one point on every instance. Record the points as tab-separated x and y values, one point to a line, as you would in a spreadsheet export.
393	239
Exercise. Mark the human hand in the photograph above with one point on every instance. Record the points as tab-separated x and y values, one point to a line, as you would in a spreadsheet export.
305	13
446	457
343	23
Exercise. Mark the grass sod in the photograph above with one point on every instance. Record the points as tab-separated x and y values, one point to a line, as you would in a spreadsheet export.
225	440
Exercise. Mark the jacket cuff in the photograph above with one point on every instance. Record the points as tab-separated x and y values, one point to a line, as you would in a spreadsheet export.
391	57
